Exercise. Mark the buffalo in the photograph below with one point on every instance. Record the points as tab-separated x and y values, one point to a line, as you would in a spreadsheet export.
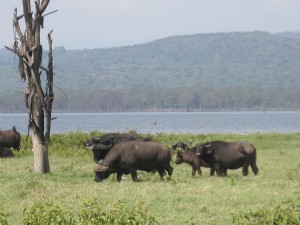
10	138
129	156
187	155
6	152
101	145
222	155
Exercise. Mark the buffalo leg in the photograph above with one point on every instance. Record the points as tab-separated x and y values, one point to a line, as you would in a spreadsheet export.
225	172
134	175
119	176
200	171
169	169
193	172
219	170
220	173
212	171
253	164
254	168
245	169
161	172
197	169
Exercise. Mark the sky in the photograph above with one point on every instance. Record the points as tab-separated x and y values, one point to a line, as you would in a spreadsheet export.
92	24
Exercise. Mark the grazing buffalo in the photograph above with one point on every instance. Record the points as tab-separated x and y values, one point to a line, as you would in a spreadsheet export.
10	138
6	152
130	156
222	155
100	176
101	145
185	154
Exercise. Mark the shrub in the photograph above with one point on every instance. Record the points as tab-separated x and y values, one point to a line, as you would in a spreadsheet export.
3	216
286	213
118	213
47	212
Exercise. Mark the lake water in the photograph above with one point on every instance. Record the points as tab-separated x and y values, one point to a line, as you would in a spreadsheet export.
165	122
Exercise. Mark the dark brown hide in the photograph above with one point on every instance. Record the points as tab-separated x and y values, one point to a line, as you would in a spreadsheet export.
192	159
223	155
6	152
10	139
186	155
130	156
100	146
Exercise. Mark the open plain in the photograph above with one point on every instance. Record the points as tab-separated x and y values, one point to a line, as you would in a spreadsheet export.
183	199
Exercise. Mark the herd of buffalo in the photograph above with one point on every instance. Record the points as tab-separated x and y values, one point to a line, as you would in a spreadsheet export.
128	152
125	153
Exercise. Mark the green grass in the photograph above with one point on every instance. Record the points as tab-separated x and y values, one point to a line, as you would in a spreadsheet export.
183	199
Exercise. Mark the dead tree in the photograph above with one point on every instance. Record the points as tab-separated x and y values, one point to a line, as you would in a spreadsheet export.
27	46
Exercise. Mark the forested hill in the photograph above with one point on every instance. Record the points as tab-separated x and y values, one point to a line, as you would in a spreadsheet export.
220	71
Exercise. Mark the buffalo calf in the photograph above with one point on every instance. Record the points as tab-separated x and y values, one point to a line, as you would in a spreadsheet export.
186	155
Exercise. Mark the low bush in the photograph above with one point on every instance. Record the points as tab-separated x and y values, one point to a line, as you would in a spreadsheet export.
47	212
287	213
3	216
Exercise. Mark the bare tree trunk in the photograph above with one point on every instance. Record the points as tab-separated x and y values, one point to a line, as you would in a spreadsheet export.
41	162
28	48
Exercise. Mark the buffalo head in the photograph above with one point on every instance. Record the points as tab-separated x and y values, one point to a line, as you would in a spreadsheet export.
102	172
203	149
99	149
179	158
101	145
181	148
179	145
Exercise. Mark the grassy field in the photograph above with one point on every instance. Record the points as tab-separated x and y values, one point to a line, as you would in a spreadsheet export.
183	199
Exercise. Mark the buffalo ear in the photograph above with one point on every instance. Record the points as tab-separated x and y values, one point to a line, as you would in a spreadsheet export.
88	145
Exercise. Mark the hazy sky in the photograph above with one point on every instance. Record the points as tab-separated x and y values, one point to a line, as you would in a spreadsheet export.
108	23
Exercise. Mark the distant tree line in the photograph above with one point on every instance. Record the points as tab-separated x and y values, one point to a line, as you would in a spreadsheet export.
179	99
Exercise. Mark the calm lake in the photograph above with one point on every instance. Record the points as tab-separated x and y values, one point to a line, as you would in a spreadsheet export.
165	122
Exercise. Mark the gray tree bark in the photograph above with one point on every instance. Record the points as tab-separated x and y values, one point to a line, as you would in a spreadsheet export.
27	46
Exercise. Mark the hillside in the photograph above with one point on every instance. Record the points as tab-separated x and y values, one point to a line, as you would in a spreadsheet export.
202	71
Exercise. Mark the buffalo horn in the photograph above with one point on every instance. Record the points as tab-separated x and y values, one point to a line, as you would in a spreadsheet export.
100	168
103	147
208	145
97	138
